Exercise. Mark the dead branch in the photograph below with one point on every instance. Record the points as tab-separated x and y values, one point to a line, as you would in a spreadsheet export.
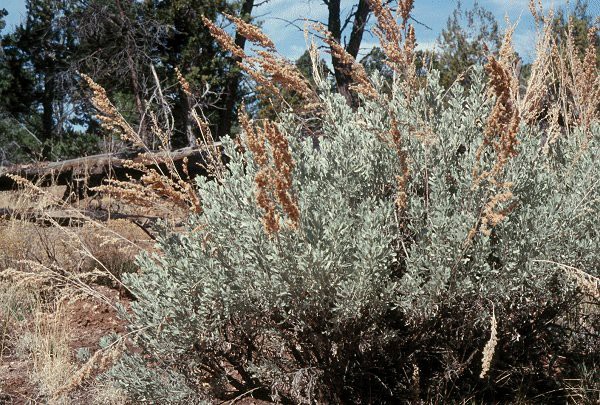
92	171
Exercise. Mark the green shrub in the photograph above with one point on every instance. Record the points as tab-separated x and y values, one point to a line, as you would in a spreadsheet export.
365	302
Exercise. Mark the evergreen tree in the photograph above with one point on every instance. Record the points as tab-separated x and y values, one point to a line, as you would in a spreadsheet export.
580	21
118	43
47	42
189	47
468	38
17	101
4	71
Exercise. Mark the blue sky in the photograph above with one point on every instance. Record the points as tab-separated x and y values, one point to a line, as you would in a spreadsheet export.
433	13
291	43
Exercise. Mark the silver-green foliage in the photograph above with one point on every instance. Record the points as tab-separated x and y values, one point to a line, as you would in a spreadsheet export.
306	314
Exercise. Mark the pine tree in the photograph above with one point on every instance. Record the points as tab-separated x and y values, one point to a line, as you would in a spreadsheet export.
469	36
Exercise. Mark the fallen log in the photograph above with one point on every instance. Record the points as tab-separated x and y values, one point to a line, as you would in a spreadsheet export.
91	171
79	218
65	218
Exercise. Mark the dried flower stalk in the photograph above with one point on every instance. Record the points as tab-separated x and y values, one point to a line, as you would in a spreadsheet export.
110	119
500	134
362	84
223	38
402	178
251	32
537	91
400	56
185	85
273	182
267	68
583	83
490	347
101	361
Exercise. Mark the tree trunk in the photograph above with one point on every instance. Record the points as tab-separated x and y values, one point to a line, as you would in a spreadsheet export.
334	25
358	27
48	106
343	77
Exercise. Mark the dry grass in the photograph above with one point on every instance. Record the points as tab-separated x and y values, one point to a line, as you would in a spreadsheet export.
17	305
564	82
64	265
43	266
50	353
100	362
110	247
106	394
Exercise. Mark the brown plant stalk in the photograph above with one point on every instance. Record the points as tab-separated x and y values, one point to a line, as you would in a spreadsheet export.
362	84
273	180
500	135
403	177
110	119
400	54
268	69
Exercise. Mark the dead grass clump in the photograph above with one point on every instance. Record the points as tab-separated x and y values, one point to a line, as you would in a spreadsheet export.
107	394
98	363
17	305
537	91
564	85
22	241
582	79
111	247
12	244
53	255
48	346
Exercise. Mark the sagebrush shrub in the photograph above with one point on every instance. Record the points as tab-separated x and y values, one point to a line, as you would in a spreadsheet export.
364	300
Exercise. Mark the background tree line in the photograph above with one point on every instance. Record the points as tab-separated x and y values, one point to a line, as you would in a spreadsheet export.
118	43
129	47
